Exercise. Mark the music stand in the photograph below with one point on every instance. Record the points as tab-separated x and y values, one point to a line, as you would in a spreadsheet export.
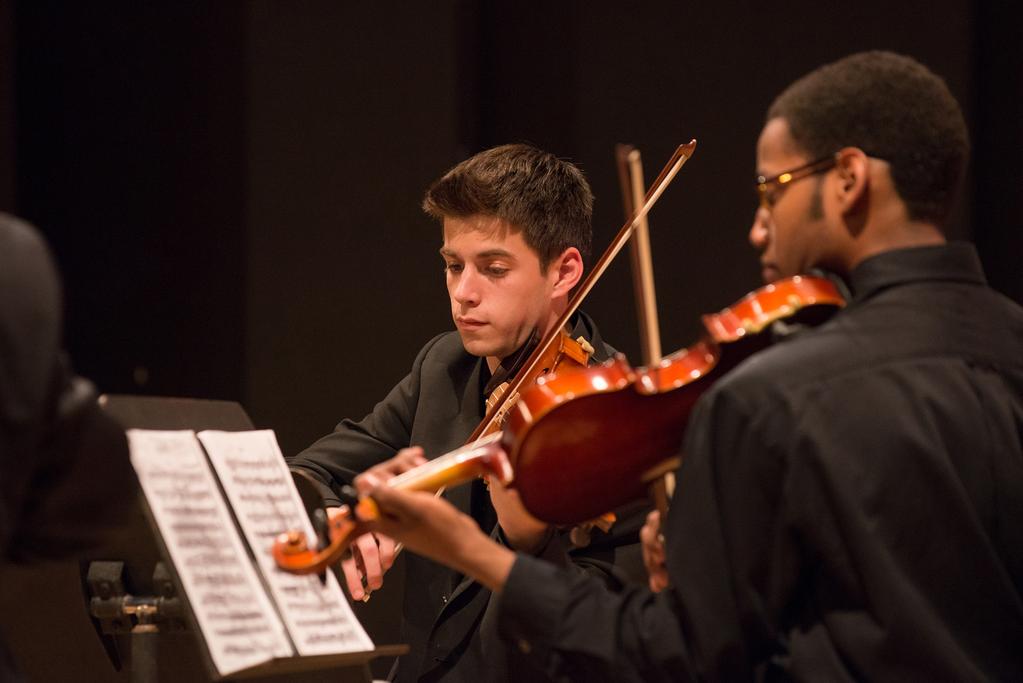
156	637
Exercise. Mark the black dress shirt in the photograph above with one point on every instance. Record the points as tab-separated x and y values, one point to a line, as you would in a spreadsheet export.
850	506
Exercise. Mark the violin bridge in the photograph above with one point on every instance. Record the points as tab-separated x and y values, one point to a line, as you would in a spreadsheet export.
501	415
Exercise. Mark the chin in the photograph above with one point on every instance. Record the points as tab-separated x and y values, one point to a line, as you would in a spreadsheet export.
485	348
477	347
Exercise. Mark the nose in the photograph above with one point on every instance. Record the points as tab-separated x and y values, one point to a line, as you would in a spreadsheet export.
758	232
466	289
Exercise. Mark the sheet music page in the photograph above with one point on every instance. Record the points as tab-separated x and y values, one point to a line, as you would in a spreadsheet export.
259	486
234	612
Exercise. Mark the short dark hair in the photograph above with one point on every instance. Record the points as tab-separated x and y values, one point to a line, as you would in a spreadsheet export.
545	197
893	108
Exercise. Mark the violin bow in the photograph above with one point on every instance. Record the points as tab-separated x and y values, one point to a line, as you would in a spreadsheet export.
630	176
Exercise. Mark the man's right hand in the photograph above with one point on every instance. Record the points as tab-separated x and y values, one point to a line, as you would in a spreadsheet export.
372	554
653	552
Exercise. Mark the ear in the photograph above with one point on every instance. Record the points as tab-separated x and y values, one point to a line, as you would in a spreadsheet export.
566	271
853	177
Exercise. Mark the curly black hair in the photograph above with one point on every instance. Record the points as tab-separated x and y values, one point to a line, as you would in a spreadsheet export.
893	108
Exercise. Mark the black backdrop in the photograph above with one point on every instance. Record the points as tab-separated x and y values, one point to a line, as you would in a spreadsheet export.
232	188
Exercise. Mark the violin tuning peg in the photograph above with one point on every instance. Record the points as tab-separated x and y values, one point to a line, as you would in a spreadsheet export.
349	496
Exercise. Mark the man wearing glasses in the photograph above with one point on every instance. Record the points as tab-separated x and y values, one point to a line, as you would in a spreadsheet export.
850	505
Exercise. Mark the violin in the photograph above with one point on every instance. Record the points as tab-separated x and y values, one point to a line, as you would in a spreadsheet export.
594	439
583	441
550	353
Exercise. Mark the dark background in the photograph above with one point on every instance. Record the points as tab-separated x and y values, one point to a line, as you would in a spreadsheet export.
232	188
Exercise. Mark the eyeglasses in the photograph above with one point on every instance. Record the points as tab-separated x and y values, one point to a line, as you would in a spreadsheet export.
769	190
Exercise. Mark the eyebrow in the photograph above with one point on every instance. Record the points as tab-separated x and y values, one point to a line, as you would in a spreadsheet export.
489	253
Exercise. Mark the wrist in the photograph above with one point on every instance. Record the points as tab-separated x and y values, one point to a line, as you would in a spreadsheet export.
486	561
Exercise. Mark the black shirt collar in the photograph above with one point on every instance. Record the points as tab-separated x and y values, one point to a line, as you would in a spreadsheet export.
955	261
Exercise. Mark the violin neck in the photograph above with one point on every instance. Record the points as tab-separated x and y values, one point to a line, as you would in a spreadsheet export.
485	457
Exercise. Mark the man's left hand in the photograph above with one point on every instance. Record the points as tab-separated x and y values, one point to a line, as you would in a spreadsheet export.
523	531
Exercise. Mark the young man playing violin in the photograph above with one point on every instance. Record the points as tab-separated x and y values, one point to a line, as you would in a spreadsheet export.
850	503
517	229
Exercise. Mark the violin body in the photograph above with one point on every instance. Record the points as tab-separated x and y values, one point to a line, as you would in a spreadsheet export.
576	456
586	441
